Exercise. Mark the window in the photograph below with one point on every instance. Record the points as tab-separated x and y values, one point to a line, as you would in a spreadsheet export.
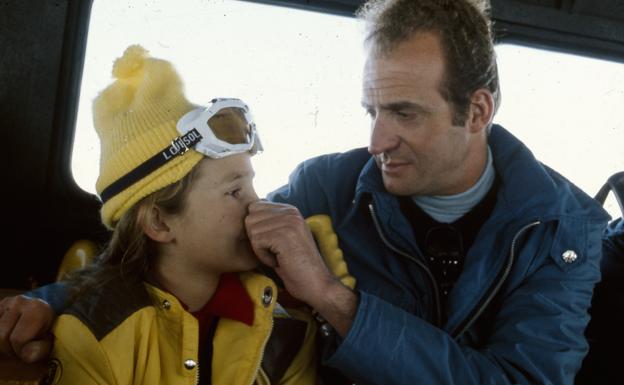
301	71
567	110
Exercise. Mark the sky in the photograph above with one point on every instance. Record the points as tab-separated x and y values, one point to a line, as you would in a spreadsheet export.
301	74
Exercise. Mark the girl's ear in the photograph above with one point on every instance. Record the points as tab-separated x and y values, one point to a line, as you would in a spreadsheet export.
155	226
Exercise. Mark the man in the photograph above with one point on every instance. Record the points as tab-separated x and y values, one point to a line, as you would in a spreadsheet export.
474	263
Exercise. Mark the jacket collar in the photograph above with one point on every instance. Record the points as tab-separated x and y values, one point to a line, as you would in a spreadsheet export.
260	290
370	180
532	190
528	189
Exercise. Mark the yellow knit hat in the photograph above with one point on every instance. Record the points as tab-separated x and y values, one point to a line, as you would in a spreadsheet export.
135	118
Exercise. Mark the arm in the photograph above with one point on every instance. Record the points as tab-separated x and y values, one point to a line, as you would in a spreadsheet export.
281	239
24	328
55	294
537	336
25	322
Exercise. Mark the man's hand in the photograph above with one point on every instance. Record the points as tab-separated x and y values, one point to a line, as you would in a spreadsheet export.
281	239
24	328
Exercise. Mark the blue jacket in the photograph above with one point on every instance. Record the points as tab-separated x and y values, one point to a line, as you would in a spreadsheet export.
519	309
614	240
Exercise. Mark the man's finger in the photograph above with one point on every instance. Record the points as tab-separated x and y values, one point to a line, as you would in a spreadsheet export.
260	205
268	227
266	207
34	323
266	257
264	221
36	350
262	249
8	318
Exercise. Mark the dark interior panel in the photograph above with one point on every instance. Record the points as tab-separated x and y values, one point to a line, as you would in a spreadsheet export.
42	46
589	27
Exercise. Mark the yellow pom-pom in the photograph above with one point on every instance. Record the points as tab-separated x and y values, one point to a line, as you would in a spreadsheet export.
131	62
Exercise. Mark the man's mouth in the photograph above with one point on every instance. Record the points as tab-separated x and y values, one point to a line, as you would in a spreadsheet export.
390	165
393	167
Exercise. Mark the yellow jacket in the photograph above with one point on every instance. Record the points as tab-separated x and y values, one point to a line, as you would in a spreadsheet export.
135	333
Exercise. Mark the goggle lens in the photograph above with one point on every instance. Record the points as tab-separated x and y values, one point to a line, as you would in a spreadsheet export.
231	126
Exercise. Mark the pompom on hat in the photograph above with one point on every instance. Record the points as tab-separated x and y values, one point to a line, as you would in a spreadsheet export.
135	117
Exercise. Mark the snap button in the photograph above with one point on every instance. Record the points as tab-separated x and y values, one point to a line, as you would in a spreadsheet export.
190	364
267	296
569	256
326	330
166	305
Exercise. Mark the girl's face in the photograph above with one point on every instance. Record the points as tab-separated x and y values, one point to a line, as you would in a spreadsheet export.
209	233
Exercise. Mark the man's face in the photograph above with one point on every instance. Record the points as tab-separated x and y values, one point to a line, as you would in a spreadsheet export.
417	148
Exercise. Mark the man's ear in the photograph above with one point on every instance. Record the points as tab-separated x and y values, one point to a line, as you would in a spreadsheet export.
155	226
481	110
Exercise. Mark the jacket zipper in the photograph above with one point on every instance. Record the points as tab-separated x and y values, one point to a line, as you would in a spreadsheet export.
476	313
434	284
266	339
257	370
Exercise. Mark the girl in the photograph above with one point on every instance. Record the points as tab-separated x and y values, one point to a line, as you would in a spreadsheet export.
172	300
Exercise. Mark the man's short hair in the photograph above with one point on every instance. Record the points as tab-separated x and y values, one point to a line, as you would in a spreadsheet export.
465	33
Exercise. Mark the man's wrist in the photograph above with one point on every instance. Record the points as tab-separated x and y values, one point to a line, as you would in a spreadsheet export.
337	305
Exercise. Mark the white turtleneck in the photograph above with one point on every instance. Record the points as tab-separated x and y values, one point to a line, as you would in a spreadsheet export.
449	208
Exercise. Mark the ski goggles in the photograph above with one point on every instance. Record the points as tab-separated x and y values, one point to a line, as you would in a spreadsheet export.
224	128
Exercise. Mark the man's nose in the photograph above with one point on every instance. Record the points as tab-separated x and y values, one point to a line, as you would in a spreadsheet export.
383	137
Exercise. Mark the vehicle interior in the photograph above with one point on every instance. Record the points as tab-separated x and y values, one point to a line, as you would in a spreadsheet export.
46	52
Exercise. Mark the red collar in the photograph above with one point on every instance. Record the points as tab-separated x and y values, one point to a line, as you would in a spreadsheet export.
230	300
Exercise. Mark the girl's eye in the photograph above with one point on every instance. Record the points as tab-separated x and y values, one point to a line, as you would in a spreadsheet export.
234	193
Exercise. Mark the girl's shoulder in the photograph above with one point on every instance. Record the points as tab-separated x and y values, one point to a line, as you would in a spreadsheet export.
104	306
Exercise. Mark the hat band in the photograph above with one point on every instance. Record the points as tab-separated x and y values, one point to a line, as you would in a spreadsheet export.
179	146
